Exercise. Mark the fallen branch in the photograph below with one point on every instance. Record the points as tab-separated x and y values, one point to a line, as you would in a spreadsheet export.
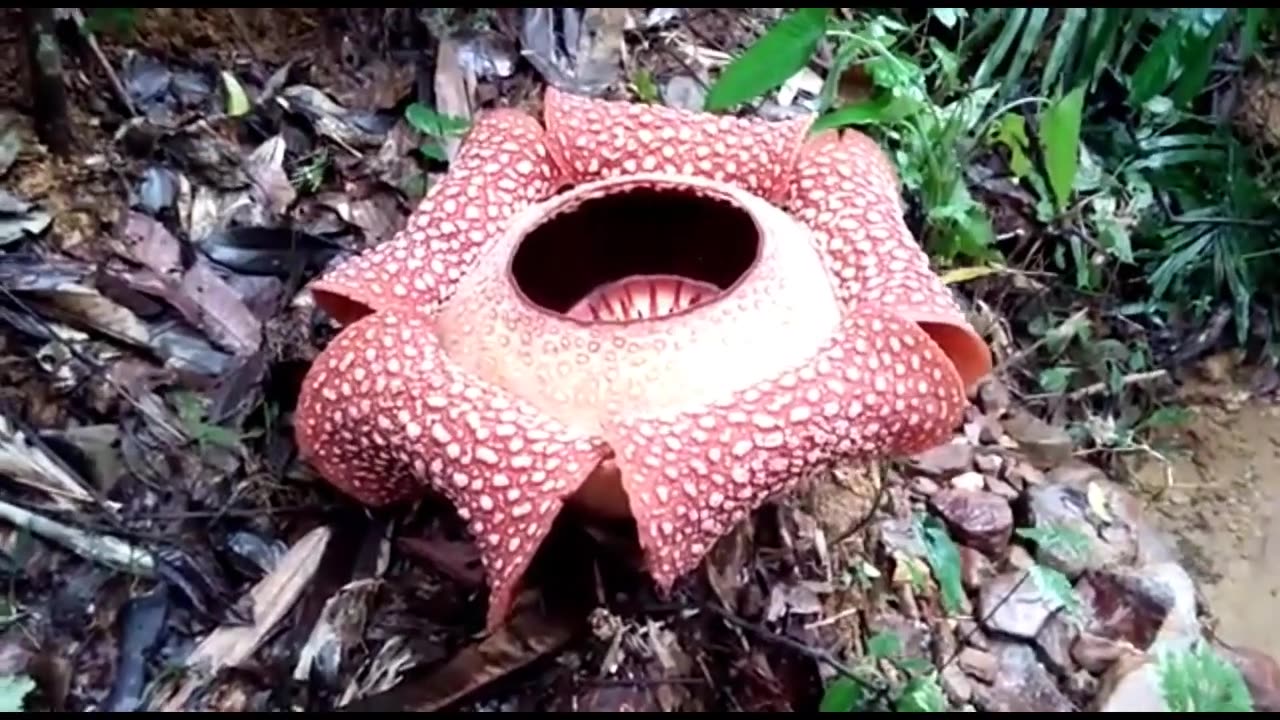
48	91
105	549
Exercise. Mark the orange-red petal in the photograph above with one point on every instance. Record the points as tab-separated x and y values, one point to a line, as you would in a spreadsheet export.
502	167
880	387
846	191
594	139
385	415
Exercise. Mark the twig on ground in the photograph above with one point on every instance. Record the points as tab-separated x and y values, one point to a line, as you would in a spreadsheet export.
823	656
1064	329
1130	379
1103	386
48	92
116	86
104	549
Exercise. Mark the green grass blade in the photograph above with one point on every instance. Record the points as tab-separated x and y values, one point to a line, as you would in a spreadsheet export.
1060	142
1030	41
1196	59
1253	19
877	111
769	61
1132	19
1104	26
1158	66
1064	48
1013	25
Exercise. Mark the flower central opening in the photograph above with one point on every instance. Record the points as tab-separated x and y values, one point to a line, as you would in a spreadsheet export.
636	253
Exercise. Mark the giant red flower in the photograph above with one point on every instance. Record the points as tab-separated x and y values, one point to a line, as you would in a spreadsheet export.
645	311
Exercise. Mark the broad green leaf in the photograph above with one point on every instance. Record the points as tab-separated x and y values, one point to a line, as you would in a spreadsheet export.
237	100
768	62
435	124
13	692
1060	142
944	558
1056	379
1158	66
1055	586
884	644
844	694
922	694
1059	539
1011	131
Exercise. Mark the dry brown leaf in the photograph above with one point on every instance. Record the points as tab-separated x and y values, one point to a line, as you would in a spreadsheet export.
272	598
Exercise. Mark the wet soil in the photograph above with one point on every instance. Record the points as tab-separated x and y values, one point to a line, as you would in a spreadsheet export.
1220	496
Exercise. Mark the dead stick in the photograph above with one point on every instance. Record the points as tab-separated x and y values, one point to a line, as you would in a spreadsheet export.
48	92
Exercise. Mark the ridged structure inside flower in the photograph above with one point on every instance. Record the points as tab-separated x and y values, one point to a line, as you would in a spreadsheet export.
652	313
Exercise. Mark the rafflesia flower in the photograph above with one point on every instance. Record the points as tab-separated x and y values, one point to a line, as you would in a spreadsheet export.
641	311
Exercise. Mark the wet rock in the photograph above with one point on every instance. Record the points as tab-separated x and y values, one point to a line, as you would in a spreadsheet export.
971	633
994	397
971	481
1132	685
978	663
1261	674
1044	445
1022	474
980	519
988	463
1141	605
898	536
1003	489
1022	684
956	685
1063	503
913	635
1055	639
1096	653
1020	559
925	486
946	460
1081	686
1013	603
975	569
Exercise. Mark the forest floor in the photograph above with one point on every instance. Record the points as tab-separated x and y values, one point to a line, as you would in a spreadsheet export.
165	549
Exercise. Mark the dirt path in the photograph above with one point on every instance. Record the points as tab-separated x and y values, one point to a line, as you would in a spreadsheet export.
1223	505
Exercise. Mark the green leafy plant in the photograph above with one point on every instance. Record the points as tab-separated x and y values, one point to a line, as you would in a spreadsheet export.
1200	680
868	688
14	690
436	126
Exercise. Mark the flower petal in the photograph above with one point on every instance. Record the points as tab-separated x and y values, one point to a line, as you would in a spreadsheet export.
594	139
385	414
846	191
501	168
881	387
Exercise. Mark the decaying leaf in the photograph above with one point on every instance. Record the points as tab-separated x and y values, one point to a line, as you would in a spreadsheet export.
527	636
20	219
271	598
26	460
